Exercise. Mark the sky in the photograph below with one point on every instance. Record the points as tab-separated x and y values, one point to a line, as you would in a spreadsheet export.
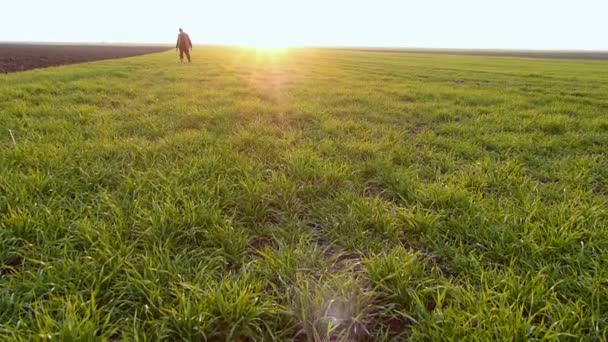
486	24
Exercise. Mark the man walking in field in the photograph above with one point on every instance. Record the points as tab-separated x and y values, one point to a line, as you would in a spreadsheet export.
184	44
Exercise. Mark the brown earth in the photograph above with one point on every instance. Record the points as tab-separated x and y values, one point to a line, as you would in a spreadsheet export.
20	57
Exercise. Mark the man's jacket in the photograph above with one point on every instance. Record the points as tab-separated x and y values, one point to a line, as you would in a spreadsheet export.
183	41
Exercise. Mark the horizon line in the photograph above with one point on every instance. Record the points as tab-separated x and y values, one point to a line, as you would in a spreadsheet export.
339	46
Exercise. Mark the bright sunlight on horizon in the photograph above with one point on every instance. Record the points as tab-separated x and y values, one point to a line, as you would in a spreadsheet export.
517	24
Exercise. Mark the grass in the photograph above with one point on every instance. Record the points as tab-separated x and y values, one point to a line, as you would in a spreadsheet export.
305	194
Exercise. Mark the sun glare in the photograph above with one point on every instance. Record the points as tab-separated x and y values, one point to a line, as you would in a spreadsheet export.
267	44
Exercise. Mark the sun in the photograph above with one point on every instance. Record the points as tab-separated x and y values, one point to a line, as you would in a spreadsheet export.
267	44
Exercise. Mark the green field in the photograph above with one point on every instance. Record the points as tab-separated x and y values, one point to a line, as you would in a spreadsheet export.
307	194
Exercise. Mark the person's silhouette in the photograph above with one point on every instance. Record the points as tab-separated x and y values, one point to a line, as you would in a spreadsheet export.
184	44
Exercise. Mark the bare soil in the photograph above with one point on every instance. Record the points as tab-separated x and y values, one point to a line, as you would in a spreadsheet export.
21	57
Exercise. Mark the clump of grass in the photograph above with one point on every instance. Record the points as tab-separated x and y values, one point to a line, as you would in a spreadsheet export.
335	308
228	309
408	290
553	127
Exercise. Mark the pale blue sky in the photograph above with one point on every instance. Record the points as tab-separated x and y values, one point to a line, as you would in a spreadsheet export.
508	24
